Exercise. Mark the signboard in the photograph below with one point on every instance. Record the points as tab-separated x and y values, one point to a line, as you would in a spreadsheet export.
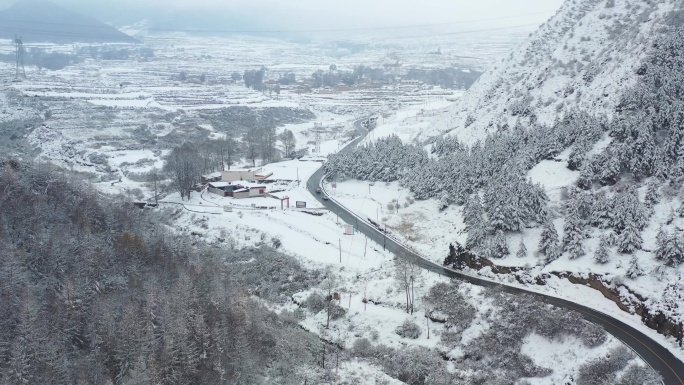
348	230
228	209
301	204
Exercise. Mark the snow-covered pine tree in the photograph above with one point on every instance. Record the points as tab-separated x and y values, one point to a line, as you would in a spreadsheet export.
634	269
673	295
610	169
473	213
477	234
628	210
670	248
629	239
522	250
454	256
533	201
641	153
499	244
652	194
573	229
601	256
444	201
549	243
601	211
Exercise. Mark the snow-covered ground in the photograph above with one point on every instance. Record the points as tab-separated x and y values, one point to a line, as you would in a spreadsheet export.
319	242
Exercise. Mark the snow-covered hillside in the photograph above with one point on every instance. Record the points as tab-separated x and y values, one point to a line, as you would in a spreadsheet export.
581	171
581	58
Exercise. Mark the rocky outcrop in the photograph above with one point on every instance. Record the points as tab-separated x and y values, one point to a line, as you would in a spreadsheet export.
633	303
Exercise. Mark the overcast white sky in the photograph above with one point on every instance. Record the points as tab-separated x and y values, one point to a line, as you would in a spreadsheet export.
329	14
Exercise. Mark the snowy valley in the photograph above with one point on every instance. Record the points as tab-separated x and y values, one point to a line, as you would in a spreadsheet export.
559	171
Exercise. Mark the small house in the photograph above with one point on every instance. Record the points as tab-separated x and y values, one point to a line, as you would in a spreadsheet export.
262	176
224	189
240	174
248	190
213	177
241	193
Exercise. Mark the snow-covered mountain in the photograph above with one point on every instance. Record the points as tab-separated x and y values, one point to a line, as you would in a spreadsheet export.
582	57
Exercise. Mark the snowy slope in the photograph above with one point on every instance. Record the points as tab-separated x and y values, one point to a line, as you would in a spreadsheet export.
582	57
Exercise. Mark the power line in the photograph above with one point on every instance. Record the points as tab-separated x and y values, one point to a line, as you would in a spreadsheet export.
285	30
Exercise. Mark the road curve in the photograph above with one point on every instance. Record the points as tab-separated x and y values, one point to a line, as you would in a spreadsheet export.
657	356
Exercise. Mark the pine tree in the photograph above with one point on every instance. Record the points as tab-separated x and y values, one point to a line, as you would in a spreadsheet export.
652	195
670	248
476	235
454	259
634	269
522	250
601	212
629	240
450	259
500	245
473	213
601	255
549	243
444	201
573	234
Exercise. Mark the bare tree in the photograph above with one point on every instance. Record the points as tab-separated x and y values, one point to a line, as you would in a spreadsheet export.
267	144
154	174
226	149
251	140
329	285
406	273
289	142
181	162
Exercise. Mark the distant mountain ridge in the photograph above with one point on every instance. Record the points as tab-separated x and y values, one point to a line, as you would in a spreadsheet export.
44	21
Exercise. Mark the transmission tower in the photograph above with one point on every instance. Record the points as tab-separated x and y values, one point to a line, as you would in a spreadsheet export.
318	129
19	45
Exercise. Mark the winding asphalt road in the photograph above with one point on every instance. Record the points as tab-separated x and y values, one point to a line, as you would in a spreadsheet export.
657	356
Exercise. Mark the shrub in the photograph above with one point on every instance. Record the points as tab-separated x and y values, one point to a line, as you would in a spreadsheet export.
409	329
315	303
374	335
639	375
336	312
362	347
602	370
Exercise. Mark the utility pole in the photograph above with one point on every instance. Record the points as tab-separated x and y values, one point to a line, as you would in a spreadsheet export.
19	46
412	295
384	237
155	188
340	244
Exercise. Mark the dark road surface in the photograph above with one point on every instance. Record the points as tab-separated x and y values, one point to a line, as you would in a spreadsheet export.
658	357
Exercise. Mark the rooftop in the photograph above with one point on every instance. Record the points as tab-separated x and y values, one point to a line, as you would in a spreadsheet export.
219	184
216	174
248	184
